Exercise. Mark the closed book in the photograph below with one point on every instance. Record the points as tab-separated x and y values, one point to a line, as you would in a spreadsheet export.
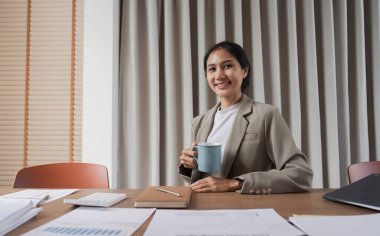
364	192
164	197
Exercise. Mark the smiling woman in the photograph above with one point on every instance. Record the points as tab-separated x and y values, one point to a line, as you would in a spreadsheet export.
225	76
259	155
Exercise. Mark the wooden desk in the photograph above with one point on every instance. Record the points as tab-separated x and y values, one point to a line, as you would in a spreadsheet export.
285	204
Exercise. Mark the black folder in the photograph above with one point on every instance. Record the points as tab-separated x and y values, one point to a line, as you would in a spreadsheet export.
364	192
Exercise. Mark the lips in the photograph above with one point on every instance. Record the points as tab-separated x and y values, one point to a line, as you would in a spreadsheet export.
222	85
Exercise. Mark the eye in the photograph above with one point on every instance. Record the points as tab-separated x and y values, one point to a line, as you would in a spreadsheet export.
211	69
227	65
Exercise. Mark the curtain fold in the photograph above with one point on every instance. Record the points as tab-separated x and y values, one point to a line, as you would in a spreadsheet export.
317	61
327	91
373	69
357	81
341	64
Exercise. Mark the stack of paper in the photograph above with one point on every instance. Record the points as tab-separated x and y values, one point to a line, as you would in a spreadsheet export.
36	198
39	196
14	213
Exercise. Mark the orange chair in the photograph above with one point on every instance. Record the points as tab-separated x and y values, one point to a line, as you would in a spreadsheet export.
360	170
63	175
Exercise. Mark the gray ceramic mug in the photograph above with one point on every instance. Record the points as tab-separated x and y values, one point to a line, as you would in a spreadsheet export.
209	157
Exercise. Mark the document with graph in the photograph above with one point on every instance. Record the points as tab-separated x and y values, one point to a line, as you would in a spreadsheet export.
220	222
96	221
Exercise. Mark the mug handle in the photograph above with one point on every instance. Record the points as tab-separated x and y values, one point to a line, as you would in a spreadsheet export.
195	148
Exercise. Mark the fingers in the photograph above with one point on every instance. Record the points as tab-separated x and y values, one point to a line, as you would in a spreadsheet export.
187	158
213	184
208	184
188	152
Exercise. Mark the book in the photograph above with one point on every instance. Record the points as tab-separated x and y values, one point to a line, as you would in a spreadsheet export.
164	197
364	192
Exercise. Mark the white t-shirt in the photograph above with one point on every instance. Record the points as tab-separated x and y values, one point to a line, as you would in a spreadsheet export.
223	121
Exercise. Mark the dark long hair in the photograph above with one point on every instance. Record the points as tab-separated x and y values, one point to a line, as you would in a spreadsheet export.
238	52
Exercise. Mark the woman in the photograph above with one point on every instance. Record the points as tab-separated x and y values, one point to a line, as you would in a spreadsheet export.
259	155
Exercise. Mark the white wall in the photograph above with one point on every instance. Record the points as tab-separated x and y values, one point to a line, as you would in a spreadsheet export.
100	84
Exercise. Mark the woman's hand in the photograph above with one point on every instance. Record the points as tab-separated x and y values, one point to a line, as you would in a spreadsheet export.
213	184
187	158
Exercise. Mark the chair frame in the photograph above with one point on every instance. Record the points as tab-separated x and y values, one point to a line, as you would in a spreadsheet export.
360	170
63	175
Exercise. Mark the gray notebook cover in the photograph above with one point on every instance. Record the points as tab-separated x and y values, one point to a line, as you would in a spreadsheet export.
364	193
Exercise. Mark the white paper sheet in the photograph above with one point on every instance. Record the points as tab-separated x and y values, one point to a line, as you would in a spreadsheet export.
37	196
19	221
338	225
10	207
220	222
96	221
14	212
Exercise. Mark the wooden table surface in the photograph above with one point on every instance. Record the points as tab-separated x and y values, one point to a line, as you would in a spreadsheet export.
286	205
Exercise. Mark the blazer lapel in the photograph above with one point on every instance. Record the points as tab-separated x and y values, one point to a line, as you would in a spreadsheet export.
236	136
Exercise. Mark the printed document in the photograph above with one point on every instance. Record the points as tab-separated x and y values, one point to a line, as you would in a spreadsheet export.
40	196
220	222
338	225
96	221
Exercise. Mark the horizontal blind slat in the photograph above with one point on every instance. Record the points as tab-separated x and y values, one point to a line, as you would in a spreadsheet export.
50	69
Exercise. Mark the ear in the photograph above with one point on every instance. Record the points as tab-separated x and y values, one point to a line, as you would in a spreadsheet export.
245	71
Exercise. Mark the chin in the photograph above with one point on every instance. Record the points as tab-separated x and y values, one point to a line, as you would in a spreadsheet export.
221	93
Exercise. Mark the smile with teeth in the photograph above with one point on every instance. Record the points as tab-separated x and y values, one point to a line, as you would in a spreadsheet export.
222	84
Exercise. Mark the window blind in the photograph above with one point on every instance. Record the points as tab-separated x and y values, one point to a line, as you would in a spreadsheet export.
12	84
40	83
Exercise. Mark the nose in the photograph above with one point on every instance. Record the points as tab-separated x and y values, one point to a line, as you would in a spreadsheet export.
220	73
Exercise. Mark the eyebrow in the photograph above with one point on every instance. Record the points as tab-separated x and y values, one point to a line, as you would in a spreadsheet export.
228	60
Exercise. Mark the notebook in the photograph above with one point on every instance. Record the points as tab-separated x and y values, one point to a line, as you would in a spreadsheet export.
364	192
164	197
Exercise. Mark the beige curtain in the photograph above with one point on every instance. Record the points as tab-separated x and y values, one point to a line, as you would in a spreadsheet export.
318	61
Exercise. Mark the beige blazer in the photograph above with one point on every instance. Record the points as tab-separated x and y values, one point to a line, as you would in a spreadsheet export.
260	151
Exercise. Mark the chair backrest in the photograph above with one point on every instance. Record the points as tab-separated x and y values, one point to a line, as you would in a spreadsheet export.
63	175
362	169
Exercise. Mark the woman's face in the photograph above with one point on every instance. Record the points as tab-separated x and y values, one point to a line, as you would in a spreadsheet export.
224	74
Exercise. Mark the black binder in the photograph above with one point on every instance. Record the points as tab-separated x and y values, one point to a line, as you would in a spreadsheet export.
364	192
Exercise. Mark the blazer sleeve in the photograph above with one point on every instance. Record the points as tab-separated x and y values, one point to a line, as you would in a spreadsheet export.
191	175
290	172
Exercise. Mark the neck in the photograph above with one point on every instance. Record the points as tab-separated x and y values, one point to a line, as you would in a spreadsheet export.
227	102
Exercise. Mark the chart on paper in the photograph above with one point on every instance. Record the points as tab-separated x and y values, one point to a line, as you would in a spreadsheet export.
220	222
82	231
95	221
